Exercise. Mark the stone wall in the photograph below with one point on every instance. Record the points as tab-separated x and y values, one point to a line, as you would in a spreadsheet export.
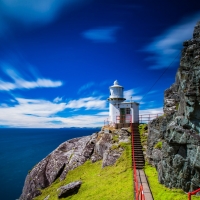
178	130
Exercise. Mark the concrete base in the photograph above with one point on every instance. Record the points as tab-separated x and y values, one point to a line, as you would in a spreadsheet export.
122	125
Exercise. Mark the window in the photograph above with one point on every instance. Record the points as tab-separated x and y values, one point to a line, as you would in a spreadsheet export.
128	111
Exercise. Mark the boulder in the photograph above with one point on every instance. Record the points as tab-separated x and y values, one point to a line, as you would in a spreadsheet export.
69	189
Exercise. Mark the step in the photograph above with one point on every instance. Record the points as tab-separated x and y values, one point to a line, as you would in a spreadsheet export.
139	167
139	161
139	164
138	152
138	147
139	158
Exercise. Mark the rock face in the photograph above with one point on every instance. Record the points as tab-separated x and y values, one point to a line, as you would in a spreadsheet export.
178	160
70	155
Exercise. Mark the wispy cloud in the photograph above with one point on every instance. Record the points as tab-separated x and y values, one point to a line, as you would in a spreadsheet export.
151	111
83	121
43	113
88	103
130	95
102	34
103	113
167	46
20	83
85	87
57	99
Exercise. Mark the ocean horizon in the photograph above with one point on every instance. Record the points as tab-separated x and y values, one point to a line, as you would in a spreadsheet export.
22	148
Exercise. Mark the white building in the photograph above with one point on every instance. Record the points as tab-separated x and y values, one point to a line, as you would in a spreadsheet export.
121	112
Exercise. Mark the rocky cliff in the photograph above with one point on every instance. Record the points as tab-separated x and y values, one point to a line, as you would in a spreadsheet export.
174	138
71	154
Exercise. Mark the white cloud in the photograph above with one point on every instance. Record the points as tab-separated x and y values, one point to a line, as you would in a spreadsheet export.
83	121
151	111
102	34
88	103
103	113
129	95
167	46
29	113
43	113
57	99
38	107
20	83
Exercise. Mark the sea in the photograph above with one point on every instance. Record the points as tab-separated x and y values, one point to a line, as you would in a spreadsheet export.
22	149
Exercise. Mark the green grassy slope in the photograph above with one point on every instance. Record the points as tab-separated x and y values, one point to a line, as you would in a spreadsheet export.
160	192
110	183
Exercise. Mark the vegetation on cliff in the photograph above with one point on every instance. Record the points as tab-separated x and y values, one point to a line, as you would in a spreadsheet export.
158	190
108	183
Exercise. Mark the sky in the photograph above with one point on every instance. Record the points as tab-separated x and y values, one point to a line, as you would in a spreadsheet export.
59	58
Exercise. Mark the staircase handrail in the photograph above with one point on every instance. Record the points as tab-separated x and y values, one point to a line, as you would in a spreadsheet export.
192	193
137	190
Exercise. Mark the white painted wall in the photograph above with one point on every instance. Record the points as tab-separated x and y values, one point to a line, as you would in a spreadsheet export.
114	111
134	110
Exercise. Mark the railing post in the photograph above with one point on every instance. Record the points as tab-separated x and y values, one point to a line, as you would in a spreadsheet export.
189	196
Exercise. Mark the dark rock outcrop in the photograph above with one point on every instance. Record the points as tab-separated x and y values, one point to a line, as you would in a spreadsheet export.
178	161
70	155
69	189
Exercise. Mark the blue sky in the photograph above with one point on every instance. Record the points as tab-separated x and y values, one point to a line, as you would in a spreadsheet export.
58	58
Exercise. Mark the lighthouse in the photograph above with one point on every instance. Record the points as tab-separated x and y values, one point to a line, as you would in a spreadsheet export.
121	112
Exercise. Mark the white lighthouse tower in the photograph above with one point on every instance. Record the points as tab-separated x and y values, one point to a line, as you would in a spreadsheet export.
121	113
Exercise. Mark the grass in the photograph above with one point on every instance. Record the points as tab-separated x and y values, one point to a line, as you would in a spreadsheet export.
158	145
159	191
110	183
115	138
143	128
177	106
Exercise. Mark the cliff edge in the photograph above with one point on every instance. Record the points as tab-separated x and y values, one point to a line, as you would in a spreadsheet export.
174	138
103	145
